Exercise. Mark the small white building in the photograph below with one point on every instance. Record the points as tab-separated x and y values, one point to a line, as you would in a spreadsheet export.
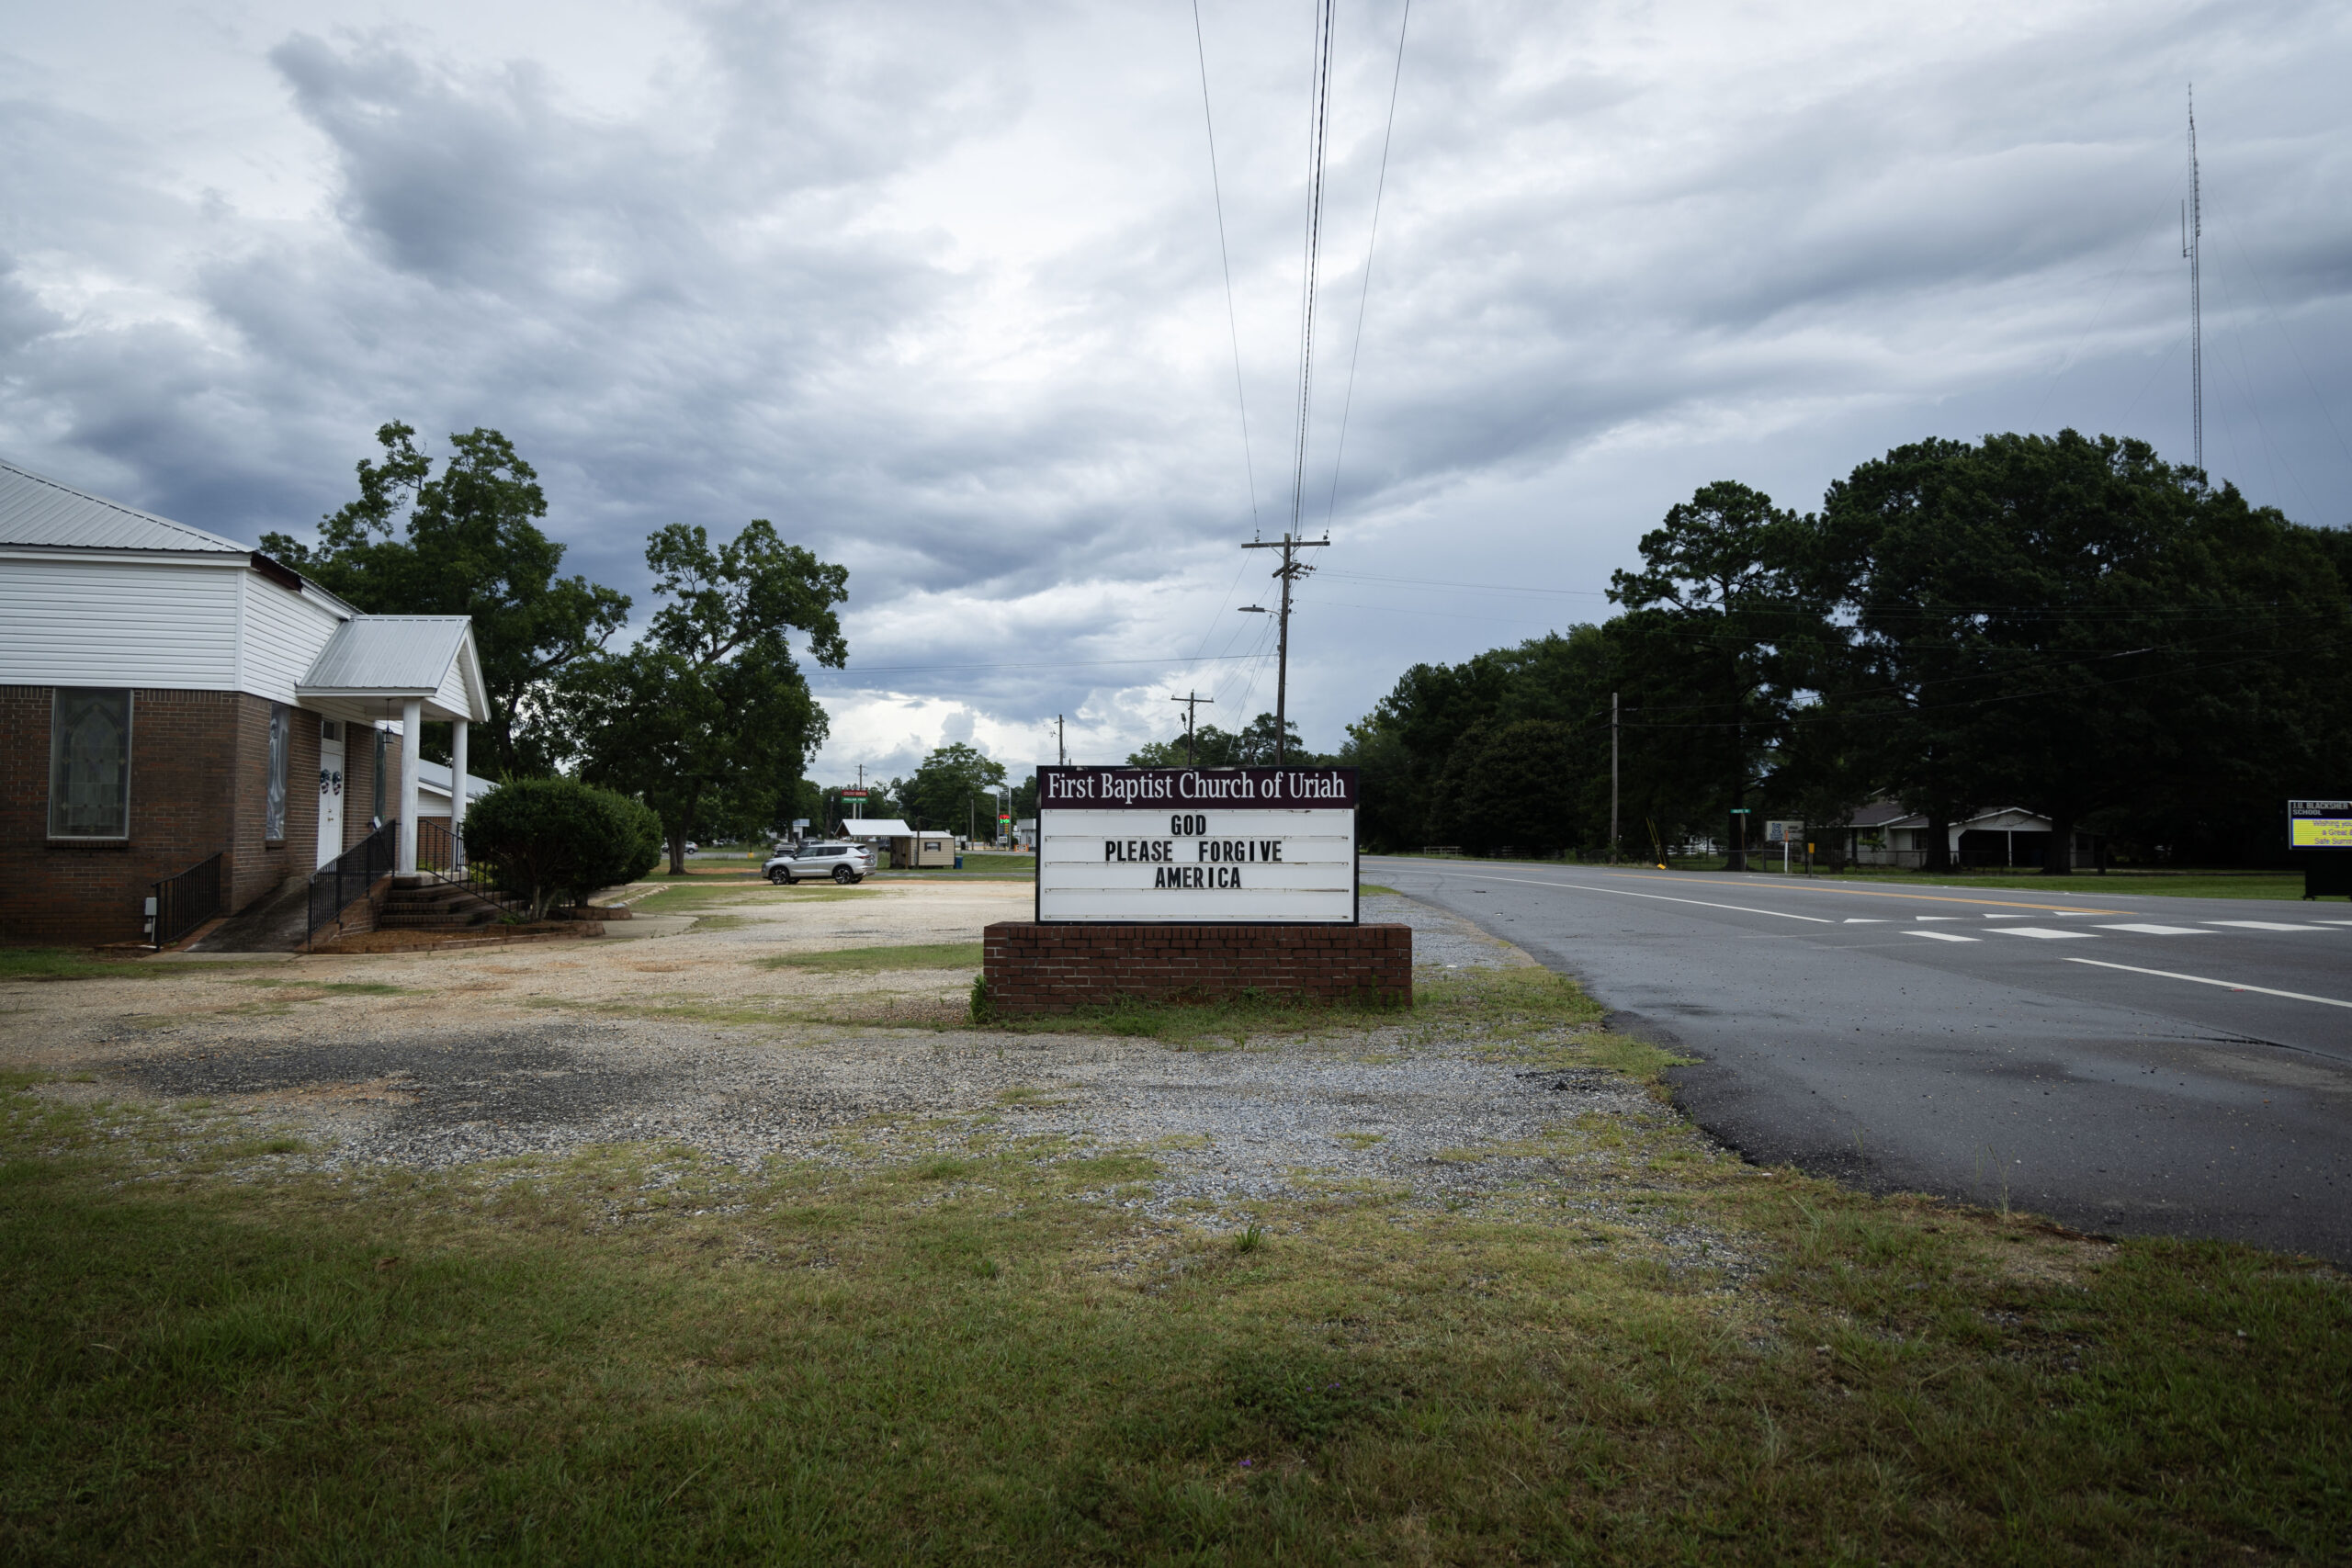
1883	833
905	847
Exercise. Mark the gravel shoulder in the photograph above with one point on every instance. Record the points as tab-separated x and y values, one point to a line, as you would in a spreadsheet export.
692	1041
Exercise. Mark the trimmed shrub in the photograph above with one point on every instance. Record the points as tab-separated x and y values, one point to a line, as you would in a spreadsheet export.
554	839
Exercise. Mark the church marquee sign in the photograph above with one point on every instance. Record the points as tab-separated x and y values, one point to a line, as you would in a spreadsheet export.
1224	845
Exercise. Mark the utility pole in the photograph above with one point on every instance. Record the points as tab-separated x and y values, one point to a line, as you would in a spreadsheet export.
1192	701
1612	778
1290	571
1062	751
2192	233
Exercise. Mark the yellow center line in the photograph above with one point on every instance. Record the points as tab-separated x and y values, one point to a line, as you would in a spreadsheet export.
1873	893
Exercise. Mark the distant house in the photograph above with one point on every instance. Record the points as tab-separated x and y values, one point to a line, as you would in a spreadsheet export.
167	696
1883	833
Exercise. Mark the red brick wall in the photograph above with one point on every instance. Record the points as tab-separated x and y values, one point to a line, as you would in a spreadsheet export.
198	784
359	782
260	868
1034	967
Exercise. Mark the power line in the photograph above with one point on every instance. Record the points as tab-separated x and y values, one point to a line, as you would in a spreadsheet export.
1318	136
1232	323
1049	664
1379	189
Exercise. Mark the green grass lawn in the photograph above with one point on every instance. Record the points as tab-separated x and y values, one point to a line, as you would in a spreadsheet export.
982	1354
1024	867
68	964
2114	884
686	896
868	960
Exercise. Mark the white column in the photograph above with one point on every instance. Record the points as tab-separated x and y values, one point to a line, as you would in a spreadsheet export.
456	774
412	736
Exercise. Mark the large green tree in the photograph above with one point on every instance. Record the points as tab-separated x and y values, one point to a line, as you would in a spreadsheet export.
467	541
1252	747
2071	624
1421	740
1718	618
954	789
1526	787
708	718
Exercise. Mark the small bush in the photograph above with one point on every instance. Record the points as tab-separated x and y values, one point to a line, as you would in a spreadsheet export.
560	839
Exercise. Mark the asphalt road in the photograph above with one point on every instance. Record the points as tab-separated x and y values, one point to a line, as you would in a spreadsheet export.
2124	1064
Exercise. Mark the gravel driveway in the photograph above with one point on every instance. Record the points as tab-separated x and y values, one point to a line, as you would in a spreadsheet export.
434	1061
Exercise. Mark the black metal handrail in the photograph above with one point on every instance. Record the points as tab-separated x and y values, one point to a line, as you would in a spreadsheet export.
184	902
441	852
350	875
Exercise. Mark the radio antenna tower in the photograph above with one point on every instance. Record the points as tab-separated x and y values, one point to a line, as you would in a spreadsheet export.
2192	229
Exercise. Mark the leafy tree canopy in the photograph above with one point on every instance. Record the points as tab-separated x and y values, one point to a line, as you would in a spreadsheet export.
709	718
467	541
1215	748
2061	623
952	788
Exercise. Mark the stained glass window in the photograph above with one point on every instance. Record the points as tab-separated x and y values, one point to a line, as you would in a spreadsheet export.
281	731
89	765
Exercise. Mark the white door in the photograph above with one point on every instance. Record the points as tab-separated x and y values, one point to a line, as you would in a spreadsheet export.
329	790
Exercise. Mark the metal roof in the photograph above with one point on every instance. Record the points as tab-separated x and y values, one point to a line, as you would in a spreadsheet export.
37	510
405	654
435	777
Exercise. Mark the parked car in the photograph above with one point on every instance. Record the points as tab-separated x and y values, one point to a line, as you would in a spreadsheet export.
845	864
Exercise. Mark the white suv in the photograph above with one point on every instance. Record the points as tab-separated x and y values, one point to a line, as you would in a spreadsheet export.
845	864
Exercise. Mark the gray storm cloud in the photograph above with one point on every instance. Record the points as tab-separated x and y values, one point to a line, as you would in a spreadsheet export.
938	290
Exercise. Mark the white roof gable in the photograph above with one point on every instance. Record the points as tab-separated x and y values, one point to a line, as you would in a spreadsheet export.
389	657
876	827
37	511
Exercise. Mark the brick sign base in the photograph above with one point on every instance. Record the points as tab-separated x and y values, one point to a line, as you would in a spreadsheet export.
1036	968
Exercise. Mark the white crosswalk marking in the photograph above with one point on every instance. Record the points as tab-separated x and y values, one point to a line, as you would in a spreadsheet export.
2264	926
2158	931
2041	932
1944	936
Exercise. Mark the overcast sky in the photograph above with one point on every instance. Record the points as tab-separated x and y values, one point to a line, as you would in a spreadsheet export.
938	290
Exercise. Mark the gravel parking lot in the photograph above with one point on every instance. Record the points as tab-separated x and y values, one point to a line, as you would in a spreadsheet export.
429	1061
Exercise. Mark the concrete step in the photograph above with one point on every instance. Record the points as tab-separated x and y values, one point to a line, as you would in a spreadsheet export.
460	900
410	920
428	902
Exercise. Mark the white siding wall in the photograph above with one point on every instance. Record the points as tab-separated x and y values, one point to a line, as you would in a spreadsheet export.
284	633
115	623
452	695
